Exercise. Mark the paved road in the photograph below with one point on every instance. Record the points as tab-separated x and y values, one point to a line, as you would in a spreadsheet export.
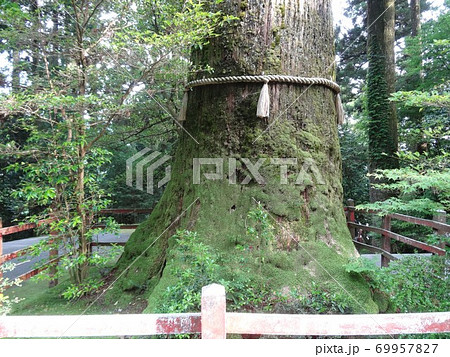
25	264
377	257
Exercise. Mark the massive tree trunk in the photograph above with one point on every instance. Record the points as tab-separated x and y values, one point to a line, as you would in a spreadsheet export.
382	132
312	239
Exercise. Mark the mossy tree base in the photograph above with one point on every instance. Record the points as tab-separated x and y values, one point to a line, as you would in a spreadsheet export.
312	242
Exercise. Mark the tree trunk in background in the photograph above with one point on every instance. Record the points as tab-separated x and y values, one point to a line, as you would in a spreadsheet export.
15	75
416	79
312	239
382	130
35	44
415	17
54	59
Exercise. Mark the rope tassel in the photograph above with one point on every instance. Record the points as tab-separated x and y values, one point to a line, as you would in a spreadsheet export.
263	110
339	110
184	104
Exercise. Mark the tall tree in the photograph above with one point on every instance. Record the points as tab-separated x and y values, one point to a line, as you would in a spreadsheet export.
415	17
90	63
352	76
382	117
311	241
352	44
412	79
423	84
417	76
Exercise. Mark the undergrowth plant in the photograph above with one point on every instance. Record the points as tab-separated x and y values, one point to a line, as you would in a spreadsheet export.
198	269
316	301
420	187
413	284
198	265
87	287
260	232
6	302
74	291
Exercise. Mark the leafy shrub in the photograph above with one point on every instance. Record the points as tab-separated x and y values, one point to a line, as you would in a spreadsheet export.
413	284
199	268
417	284
260	229
5	301
88	286
421	187
75	291
422	184
315	301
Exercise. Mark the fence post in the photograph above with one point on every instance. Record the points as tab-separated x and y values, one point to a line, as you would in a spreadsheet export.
52	254
351	216
1	246
440	216
213	312
386	241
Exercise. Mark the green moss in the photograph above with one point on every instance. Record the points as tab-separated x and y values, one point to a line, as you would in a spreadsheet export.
382	300
38	299
311	140
219	225
273	60
276	37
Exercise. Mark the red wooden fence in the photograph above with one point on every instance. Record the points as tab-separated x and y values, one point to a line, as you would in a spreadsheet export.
120	211
53	254
215	323
438	224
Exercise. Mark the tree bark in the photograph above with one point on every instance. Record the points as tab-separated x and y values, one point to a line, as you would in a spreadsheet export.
271	37
34	7
416	79
382	131
415	17
15	76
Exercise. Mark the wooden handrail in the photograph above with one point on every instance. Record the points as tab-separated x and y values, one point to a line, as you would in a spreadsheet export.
31	273
421	221
438	224
27	226
337	325
215	322
400	238
125	210
375	250
36	271
23	227
99	325
4	231
14	255
121	226
410	219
